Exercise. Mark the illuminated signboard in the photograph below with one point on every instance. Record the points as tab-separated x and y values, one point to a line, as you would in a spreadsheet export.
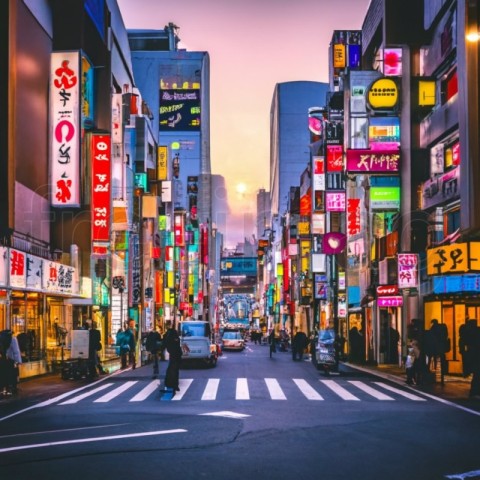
385	197
383	94
378	161
162	163
179	110
392	62
335	202
65	88
427	93
101	186
384	131
454	258
407	270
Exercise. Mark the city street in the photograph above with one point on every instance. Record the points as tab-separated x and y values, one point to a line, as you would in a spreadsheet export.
249	416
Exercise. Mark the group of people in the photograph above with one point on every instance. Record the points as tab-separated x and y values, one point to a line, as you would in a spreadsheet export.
425	350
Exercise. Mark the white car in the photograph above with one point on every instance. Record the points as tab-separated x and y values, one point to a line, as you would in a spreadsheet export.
233	341
195	337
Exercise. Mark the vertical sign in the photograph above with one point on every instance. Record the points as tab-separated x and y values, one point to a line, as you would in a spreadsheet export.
407	270
162	162
18	265
65	129
101	181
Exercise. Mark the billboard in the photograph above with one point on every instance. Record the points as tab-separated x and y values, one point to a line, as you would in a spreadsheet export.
179	110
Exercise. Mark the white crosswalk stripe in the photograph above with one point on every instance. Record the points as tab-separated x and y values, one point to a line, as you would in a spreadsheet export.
276	393
270	388
307	390
242	392
403	393
371	391
343	393
146	392
210	392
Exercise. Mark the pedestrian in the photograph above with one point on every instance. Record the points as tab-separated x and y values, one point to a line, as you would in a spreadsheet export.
126	346
470	349
437	345
171	342
10	358
133	334
94	346
272	342
299	343
153	345
409	364
416	331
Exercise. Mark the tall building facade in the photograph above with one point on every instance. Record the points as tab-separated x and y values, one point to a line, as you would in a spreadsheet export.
289	136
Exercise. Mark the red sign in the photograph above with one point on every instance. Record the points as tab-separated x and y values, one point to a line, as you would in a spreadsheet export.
101	182
387	290
179	231
334	158
353	216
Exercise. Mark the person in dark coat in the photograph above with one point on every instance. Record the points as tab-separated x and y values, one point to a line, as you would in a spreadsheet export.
153	344
470	350
171	342
437	344
299	343
94	346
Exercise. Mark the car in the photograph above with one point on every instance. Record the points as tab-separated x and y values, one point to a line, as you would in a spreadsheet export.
233	340
195	334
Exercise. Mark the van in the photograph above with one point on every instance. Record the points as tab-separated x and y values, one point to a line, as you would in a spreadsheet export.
196	335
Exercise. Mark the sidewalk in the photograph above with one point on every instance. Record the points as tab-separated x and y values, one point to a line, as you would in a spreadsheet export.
455	388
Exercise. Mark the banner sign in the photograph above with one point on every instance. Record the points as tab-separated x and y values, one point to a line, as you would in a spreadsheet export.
101	185
378	161
65	88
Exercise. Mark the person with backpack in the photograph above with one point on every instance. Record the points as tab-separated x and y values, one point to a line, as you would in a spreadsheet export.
153	345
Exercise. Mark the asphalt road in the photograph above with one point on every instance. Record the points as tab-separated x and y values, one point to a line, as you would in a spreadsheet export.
249	417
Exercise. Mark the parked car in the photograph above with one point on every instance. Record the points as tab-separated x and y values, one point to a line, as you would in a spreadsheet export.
233	340
196	335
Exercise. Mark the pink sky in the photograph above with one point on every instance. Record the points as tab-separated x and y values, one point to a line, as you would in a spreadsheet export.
253	44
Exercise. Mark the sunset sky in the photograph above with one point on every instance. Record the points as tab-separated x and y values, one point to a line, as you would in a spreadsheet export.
253	45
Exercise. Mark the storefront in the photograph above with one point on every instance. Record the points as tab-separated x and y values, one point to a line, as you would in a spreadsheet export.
32	304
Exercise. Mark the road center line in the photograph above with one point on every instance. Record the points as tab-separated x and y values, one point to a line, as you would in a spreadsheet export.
91	439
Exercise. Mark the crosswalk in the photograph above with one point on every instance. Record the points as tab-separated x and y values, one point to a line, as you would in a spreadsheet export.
246	389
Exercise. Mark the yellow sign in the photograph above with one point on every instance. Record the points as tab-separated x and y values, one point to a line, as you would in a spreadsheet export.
383	93
426	93
339	56
453	258
162	163
303	228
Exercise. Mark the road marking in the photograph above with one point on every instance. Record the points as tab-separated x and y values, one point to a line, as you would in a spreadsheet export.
91	439
274	389
462	476
183	385
226	414
403	393
146	392
210	392
309	392
339	390
242	392
115	392
371	391
86	394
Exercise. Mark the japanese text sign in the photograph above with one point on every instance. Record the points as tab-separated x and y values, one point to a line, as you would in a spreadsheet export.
65	128
407	270
101	182
455	258
372	161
